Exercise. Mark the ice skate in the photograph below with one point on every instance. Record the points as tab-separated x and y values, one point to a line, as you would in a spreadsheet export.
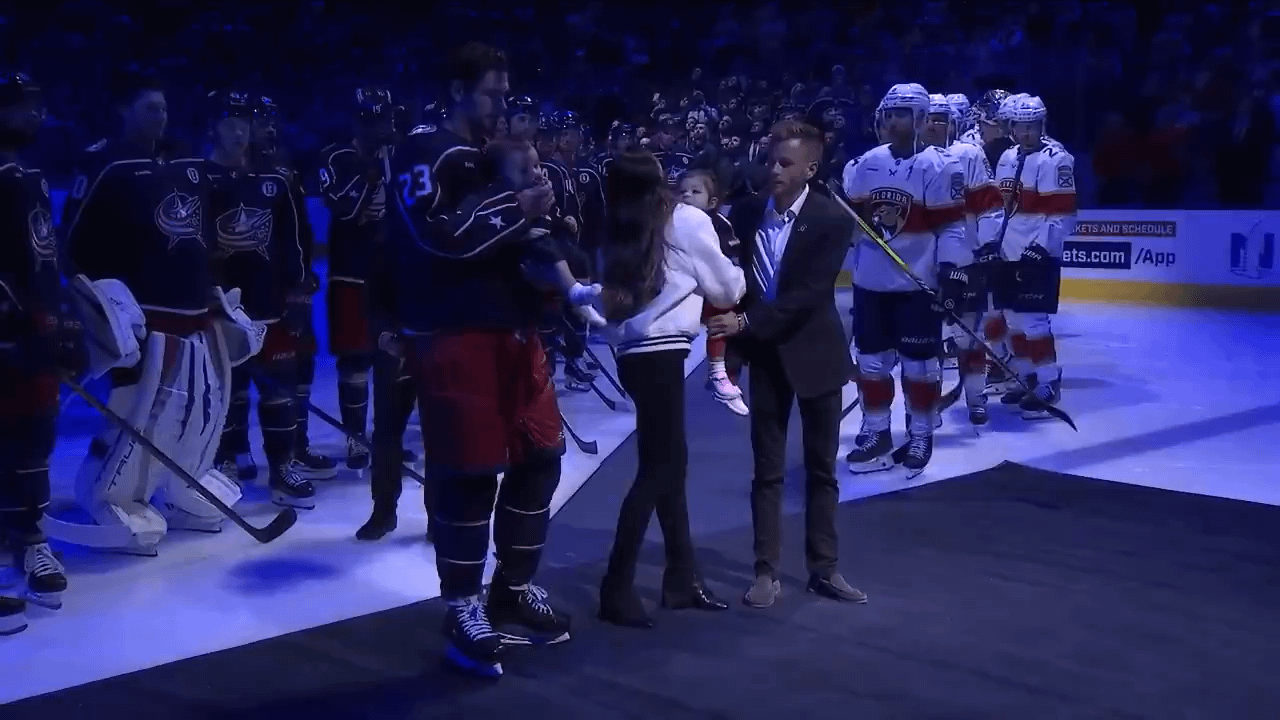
46	579
726	392
529	609
999	382
13	615
288	489
873	453
472	644
380	523
1042	396
357	455
577	377
312	465
916	454
978	415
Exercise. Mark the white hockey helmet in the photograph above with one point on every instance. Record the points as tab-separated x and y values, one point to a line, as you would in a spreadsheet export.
1007	105
938	105
1028	108
960	103
910	96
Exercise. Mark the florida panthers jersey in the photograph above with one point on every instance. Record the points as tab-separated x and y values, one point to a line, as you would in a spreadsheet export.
917	205
1041	202
981	196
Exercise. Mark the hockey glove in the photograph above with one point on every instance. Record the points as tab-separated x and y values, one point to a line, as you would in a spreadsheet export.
988	253
62	335
952	283
1035	253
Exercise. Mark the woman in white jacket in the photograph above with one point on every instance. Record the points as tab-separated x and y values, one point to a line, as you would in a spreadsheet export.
662	260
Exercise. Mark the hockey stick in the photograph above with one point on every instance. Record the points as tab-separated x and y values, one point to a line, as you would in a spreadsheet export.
588	447
608	401
845	413
612	381
837	195
274	529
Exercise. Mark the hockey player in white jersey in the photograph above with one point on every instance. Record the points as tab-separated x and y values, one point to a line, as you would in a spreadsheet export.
1037	180
960	104
982	205
913	196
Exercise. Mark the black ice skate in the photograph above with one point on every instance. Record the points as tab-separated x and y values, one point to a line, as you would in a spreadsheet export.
13	615
1042	396
577	377
46	578
1014	396
529	609
873	453
978	415
472	644
380	523
916	454
246	468
312	465
357	455
290	489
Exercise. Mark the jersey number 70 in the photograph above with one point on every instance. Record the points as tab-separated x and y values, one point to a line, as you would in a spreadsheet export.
415	184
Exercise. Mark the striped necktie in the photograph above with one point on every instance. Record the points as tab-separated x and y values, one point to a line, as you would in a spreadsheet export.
766	266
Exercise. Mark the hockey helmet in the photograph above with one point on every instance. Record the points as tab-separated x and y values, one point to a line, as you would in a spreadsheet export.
938	105
23	103
231	103
567	120
1024	109
266	108
521	105
988	106
907	96
1007	105
960	103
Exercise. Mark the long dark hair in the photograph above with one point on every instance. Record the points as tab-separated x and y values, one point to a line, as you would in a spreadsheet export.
639	207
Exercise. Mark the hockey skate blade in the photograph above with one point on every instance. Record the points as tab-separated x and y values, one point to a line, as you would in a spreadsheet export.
880	464
46	601
315	473
456	660
288	501
513	640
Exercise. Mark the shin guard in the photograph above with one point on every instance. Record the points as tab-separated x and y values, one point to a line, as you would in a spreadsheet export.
522	516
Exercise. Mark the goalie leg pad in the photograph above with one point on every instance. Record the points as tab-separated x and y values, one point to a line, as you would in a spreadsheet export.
207	399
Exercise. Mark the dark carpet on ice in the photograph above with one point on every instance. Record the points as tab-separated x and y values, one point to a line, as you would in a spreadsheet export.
1010	593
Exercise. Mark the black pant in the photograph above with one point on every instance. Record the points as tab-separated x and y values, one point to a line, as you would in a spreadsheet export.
771	400
655	382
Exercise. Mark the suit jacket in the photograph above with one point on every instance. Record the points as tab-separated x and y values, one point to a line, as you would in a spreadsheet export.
801	324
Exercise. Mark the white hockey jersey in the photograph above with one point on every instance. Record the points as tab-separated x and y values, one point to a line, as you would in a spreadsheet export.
1041	202
982	201
916	204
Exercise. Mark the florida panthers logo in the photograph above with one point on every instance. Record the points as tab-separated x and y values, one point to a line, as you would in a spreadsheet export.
44	244
1011	193
244	229
179	217
890	208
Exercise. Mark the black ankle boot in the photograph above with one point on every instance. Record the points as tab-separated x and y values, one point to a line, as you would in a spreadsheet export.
692	596
620	605
381	522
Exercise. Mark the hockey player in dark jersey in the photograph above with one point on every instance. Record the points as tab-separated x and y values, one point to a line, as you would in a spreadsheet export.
259	250
351	180
487	406
590	187
269	156
39	340
138	225
622	137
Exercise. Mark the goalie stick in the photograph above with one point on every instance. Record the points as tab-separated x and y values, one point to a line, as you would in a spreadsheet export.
274	529
837	194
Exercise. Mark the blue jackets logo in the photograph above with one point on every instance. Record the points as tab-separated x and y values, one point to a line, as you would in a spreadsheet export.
1253	254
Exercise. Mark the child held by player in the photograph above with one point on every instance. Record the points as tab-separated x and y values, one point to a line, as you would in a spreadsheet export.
700	189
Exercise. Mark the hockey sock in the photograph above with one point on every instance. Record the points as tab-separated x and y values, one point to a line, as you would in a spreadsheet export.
875	389
1043	353
353	401
973	366
461	526
522	516
279	426
235	431
1021	361
922	389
